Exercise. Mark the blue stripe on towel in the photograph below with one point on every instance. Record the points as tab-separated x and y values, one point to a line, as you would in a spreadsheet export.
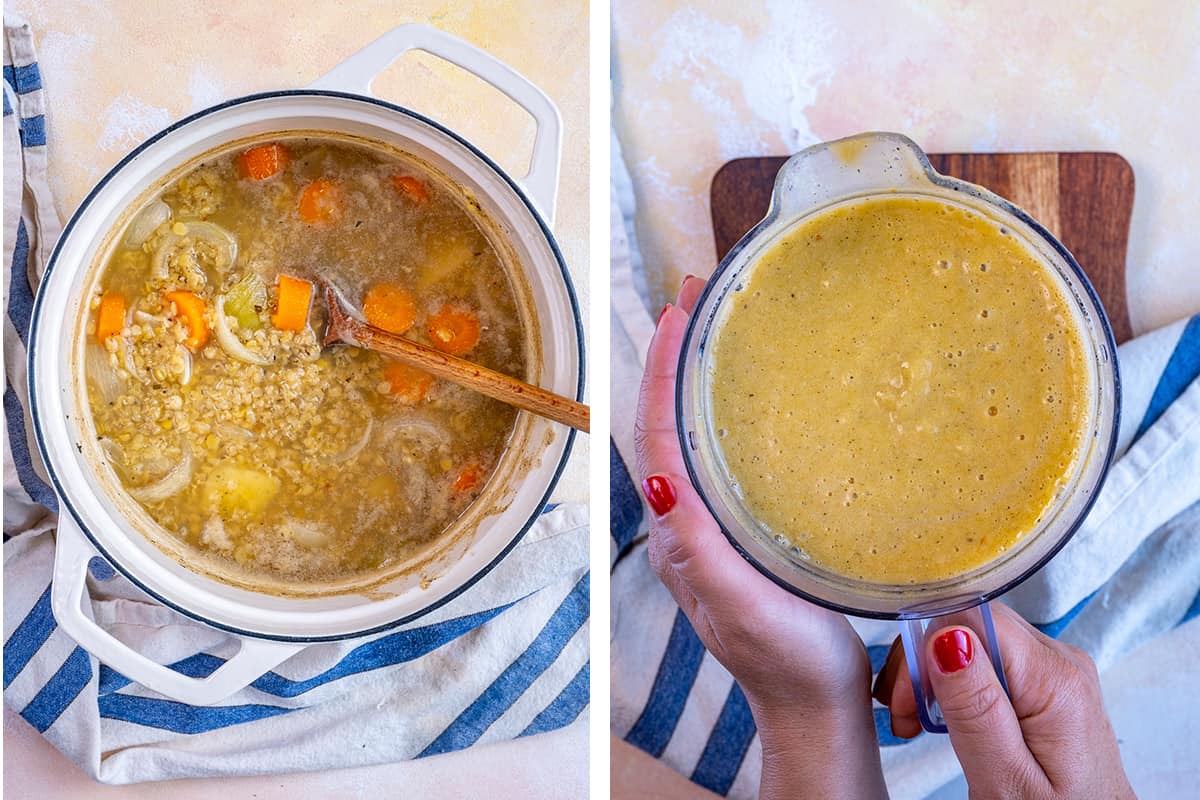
170	715
201	665
14	415
394	649
563	709
397	648
727	744
883	728
625	506
1182	368
7	108
58	693
33	131
1193	610
473	722
100	569
1053	629
20	293
20	309
672	684
878	654
28	638
23	79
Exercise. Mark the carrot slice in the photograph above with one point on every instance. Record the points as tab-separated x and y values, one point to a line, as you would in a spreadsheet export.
468	478
292	304
191	307
407	384
321	202
454	329
110	318
263	161
390	306
412	188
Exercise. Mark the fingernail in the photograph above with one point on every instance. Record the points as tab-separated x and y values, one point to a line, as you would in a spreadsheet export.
686	278
659	493
952	650
662	314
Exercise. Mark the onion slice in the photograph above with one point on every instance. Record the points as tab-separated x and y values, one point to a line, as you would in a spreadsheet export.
304	533
168	485
125	346
231	431
113	451
99	371
353	450
185	377
229	341
146	222
416	427
221	239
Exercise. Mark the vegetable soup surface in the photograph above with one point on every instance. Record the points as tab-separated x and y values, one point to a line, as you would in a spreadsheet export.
899	389
211	395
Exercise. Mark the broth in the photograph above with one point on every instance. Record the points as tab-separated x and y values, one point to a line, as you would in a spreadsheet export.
210	393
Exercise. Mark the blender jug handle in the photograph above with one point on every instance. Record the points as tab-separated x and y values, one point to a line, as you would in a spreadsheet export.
914	632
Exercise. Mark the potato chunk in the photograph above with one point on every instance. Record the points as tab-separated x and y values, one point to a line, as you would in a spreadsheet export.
233	488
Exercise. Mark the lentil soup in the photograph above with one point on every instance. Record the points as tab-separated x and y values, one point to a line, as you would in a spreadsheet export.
899	389
213	401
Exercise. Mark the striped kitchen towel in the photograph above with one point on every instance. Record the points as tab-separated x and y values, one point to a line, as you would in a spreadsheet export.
1131	572
509	658
31	227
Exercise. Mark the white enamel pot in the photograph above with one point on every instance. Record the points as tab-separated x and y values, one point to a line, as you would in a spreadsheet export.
96	520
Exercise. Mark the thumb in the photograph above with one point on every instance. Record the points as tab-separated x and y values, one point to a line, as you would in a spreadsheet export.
984	729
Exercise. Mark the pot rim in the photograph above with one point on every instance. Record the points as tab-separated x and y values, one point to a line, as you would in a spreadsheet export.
35	319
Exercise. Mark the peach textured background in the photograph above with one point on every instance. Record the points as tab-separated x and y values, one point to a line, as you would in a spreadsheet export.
696	84
117	72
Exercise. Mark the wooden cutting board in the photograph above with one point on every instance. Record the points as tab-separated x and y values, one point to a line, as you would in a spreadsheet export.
1085	199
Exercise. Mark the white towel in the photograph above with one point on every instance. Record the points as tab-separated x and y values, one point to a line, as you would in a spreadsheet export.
1131	571
507	658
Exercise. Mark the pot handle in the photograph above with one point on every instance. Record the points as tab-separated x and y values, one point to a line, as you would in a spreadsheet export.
356	73
915	632
71	557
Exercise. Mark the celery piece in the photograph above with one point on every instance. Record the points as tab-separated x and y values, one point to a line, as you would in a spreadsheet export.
246	301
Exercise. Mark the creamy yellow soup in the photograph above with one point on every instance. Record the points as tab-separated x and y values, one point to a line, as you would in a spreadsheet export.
899	389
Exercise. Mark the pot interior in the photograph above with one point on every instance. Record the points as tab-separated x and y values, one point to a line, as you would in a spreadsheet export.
171	571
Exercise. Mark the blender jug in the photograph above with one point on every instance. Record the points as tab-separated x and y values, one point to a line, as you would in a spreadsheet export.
860	167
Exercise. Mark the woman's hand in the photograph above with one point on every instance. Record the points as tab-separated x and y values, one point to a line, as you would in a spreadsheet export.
803	669
1053	740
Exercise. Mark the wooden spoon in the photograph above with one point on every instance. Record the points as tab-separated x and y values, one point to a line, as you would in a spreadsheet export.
345	328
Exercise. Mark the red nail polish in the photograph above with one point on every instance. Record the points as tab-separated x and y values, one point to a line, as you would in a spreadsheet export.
952	650
660	493
662	314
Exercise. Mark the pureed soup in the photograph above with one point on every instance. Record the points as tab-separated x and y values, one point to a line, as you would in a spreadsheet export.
899	389
214	402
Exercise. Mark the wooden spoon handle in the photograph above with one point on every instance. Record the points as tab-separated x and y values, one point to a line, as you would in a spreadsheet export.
496	385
